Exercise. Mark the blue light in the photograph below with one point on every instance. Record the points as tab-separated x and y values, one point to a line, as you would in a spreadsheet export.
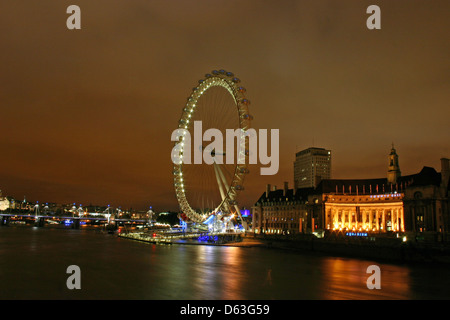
356	234
209	220
207	238
245	213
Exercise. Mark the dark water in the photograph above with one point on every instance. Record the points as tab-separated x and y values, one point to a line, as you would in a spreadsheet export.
33	264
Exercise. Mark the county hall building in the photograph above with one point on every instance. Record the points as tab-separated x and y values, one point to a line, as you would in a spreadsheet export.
416	203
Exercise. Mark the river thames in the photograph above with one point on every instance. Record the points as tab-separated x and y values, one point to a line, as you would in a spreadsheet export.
34	262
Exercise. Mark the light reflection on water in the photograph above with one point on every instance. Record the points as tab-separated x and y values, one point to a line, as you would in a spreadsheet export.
347	278
33	265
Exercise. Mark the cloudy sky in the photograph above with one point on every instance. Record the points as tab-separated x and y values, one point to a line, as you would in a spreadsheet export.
86	115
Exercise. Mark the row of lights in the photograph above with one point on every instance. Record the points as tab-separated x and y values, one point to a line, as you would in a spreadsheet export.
366	228
386	195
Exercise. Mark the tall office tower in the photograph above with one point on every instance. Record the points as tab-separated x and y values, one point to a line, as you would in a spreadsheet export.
311	166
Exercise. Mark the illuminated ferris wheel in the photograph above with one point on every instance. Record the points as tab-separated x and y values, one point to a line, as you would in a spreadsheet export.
205	189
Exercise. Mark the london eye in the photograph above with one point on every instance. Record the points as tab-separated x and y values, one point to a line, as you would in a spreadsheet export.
207	191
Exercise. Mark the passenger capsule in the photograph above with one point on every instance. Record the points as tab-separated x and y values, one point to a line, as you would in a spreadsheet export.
235	80
208	75
245	101
230	74
215	72
242	89
244	170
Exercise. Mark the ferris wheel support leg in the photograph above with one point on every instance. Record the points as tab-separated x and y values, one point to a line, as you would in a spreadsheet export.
224	181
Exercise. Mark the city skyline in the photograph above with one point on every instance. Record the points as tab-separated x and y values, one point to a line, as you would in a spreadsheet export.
90	112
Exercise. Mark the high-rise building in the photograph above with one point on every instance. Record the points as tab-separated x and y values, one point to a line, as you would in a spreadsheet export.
311	166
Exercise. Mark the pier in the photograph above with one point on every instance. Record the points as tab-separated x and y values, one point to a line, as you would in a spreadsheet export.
187	238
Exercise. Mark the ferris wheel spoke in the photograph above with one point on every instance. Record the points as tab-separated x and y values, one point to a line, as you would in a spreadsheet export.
220	181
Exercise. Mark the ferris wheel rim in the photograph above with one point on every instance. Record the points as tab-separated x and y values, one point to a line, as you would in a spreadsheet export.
228	81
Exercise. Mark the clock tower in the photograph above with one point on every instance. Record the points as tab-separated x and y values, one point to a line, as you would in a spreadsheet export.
393	169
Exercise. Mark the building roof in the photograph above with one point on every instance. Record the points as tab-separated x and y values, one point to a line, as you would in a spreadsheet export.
278	195
426	177
313	150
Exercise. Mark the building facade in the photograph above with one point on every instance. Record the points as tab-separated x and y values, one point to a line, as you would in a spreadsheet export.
375	213
281	211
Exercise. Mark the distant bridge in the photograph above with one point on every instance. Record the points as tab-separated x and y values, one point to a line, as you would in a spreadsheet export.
40	219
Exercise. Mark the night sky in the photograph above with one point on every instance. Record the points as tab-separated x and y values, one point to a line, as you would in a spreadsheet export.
86	115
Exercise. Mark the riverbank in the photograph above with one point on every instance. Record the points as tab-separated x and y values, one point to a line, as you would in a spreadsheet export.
381	249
